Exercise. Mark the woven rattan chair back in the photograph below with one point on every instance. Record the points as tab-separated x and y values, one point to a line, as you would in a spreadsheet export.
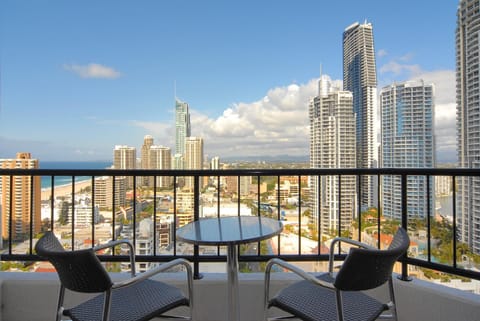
365	269
79	270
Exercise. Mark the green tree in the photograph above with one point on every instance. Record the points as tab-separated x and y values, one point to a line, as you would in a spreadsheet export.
63	215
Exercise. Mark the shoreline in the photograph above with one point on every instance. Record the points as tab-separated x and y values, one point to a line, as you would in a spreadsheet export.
64	190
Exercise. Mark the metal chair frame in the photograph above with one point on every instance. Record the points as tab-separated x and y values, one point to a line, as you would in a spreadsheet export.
330	285
134	279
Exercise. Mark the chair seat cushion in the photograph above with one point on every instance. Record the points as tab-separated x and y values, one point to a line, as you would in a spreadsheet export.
138	302
312	302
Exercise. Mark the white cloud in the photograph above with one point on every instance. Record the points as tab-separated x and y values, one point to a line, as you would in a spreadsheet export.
93	71
399	68
407	57
382	53
276	124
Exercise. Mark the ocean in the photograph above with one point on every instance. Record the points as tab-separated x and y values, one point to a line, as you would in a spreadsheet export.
64	180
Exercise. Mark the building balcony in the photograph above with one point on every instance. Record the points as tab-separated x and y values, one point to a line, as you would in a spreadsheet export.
438	254
32	296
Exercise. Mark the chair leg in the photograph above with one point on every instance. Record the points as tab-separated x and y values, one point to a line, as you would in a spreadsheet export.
339	301
393	306
106	305
61	295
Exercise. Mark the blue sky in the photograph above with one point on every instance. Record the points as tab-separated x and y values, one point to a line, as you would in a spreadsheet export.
79	77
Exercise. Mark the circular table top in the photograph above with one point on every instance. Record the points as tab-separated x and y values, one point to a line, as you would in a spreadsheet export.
229	230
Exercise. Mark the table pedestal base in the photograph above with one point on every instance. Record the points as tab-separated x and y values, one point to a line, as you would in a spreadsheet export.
232	283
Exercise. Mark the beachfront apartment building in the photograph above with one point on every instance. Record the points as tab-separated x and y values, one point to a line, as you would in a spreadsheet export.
81	215
161	158
185	207
110	193
468	120
407	114
193	157
125	157
332	145
145	159
20	199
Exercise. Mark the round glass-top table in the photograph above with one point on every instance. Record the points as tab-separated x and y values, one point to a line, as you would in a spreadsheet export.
230	231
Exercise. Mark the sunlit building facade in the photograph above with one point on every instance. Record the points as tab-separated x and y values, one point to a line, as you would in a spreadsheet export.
193	157
161	158
125	157
145	159
109	193
332	145
407	141
468	120
21	201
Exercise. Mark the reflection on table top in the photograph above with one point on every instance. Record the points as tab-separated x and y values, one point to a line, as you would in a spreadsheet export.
229	230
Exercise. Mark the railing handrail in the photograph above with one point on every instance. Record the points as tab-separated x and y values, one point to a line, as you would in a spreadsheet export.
246	172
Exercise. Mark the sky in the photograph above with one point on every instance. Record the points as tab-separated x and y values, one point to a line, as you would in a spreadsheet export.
79	77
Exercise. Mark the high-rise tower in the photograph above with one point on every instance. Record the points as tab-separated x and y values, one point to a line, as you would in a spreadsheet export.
468	120
332	145
145	159
193	157
407	114
20	198
161	158
360	78
182	130
125	157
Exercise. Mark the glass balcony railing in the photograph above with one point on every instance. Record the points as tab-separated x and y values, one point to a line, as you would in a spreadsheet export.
89	207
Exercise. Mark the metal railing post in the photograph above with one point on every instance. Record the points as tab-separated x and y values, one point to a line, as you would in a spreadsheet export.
404	276
196	217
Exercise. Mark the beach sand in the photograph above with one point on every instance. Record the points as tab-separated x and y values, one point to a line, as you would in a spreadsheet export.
65	190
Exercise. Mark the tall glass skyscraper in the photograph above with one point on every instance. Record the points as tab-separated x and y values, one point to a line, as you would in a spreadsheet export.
332	145
182	131
407	113
360	77
468	120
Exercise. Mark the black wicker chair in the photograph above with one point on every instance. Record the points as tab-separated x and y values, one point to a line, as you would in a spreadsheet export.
338	297
136	299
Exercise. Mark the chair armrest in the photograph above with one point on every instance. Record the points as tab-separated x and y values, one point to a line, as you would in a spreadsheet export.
307	276
163	267
131	251
296	270
346	240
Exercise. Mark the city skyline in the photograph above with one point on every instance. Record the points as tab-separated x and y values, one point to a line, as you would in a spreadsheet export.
100	80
